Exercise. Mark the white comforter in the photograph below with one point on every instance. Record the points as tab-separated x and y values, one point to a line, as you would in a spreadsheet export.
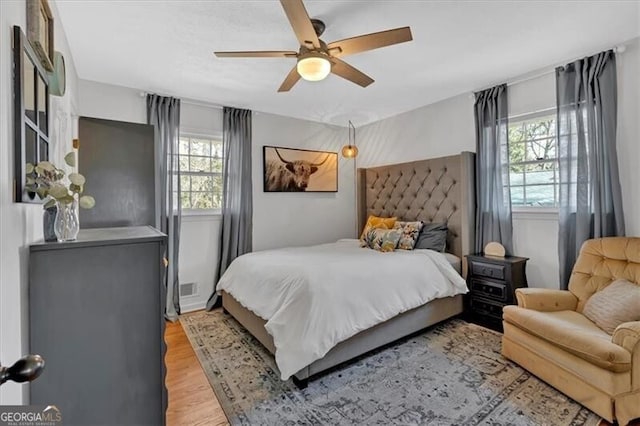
315	297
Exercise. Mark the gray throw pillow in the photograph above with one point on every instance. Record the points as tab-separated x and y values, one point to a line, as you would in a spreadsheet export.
432	236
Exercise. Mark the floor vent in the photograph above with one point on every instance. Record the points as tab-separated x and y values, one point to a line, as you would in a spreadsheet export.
188	289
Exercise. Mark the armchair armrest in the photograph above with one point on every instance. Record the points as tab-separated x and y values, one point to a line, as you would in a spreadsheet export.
627	335
546	300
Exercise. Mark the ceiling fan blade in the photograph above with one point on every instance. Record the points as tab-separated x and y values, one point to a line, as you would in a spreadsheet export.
350	73
258	54
362	43
291	79
300	22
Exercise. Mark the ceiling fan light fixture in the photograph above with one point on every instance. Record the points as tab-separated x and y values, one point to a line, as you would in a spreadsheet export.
313	66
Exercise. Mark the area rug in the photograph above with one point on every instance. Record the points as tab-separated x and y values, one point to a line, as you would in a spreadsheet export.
452	374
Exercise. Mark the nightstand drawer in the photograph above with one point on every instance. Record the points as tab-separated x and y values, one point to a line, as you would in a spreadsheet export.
488	270
489	289
486	307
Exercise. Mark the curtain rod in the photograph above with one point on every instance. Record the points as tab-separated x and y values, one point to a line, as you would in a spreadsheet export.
617	49
187	101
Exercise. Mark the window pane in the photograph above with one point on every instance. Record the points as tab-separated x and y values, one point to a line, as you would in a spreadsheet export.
185	200
516	153
200	147
516	133
216	165
185	183
217	199
200	164
541	149
184	146
202	200
540	173
201	183
516	177
517	196
216	149
540	195
184	163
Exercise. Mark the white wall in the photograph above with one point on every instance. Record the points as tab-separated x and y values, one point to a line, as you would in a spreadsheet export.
21	224
100	100
447	127
298	219
629	133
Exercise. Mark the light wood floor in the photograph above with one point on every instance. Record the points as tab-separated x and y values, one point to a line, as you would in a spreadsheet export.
191	399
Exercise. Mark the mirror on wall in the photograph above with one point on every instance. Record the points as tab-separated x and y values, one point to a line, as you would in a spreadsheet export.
31	113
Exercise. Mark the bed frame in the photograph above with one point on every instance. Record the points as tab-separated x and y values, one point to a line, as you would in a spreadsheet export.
435	190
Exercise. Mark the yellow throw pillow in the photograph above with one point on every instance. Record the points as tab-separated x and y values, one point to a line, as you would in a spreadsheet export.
375	222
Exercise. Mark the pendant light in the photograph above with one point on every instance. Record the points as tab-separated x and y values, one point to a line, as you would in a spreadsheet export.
350	151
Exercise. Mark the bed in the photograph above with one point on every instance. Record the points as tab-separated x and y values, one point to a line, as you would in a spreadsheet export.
433	190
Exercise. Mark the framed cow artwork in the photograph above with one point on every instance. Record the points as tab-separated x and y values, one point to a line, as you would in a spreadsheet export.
299	170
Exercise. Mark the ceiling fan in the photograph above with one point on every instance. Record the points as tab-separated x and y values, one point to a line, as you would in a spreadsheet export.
315	58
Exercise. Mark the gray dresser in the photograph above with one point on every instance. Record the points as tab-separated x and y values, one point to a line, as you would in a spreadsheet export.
96	310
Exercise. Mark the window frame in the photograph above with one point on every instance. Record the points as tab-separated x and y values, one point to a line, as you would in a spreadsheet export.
529	209
198	135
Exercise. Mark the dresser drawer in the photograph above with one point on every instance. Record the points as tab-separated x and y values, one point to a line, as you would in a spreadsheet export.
486	307
489	289
488	270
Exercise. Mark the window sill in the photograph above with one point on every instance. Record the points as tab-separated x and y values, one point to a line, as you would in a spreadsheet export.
201	215
535	213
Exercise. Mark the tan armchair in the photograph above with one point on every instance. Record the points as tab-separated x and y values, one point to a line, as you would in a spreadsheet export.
548	335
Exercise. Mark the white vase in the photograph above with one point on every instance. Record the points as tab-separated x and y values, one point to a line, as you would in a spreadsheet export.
67	224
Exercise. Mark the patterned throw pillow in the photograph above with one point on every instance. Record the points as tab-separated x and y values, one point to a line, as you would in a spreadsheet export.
410	232
382	239
375	222
617	303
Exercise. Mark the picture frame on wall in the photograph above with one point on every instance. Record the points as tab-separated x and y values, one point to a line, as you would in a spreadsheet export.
31	113
40	31
299	170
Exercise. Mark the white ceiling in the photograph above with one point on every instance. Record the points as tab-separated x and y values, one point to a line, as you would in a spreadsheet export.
166	47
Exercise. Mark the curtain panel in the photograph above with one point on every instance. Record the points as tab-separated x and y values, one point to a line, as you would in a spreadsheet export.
590	197
164	114
236	233
493	197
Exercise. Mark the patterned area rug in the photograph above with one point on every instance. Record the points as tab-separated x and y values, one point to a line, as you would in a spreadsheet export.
451	374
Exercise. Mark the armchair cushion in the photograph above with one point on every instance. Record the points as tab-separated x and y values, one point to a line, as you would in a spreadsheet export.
574	333
617	303
546	300
627	335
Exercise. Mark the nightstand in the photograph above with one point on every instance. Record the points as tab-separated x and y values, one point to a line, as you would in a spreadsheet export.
492	283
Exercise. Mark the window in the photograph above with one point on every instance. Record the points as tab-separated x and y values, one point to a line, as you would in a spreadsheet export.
200	173
533	161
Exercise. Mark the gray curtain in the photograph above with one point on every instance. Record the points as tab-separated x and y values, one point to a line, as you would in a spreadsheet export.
493	198
590	195
237	199
164	114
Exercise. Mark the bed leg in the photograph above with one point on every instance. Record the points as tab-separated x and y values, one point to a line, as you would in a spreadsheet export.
300	383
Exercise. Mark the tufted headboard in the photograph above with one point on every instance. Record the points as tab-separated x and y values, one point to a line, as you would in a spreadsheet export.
435	190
